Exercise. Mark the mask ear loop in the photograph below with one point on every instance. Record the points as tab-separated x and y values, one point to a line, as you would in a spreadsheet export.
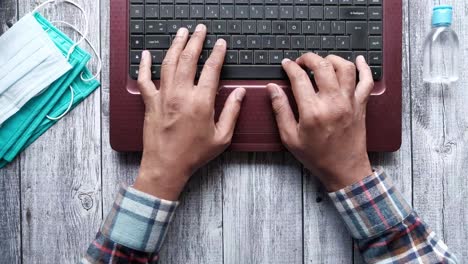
68	108
99	69
84	15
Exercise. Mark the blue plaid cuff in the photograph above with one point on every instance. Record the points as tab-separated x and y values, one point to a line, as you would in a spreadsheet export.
371	206
138	220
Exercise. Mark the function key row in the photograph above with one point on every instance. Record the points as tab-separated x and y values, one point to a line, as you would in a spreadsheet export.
263	42
261	2
255	12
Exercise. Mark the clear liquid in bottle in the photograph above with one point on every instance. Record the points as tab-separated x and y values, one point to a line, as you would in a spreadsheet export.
441	49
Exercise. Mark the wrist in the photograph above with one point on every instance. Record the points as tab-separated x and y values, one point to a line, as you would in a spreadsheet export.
165	182
341	175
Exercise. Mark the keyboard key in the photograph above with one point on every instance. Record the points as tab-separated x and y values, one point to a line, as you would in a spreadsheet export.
375	28
256	12
260	57
271	12
301	12
249	27
258	72
189	24
155	27
136	11
197	11
375	58
167	11
294	27
283	42
227	38
182	11
157	56
313	42
211	11
375	13
254	42
297	42
328	42
135	56
286	12
358	32
231	57
227	11
234	26
268	42
315	12
242	11
157	42
245	57
137	42
291	54
219	26
347	55
323	27
309	27
375	43
137	27
331	12
173	26
376	73
263	27
278	27
151	11
342	42
353	13
276	56
338	27
239	42
210	41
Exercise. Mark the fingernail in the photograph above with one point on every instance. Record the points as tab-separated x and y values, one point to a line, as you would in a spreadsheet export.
361	58
181	32
240	94
200	27
145	55
285	60
220	42
274	91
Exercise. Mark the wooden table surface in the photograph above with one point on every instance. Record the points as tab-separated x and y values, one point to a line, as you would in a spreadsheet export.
242	207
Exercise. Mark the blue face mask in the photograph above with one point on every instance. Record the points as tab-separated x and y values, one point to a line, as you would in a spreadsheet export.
40	113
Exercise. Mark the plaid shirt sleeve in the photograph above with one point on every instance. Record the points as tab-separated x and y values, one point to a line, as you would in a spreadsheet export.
133	231
387	230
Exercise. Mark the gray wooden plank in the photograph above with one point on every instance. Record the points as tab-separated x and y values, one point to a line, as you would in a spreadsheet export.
440	121
262	208
398	165
326	239
10	217
195	235
60	173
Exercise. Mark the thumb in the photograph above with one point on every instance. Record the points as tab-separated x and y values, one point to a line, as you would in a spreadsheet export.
228	117
285	119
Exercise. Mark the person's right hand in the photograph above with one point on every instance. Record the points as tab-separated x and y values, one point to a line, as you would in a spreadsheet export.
330	136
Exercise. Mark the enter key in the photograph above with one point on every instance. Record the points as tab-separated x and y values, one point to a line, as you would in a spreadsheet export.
359	34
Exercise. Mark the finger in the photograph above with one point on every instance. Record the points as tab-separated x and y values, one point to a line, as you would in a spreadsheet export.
300	82
209	78
169	64
285	119
228	117
345	73
187	66
324	73
145	84
366	82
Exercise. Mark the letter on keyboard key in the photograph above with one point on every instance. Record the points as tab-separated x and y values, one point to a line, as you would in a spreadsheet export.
276	56
157	42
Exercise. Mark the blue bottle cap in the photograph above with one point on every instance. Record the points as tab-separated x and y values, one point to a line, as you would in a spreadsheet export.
442	15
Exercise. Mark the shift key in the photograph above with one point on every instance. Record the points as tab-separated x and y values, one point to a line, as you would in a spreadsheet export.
353	13
157	42
358	33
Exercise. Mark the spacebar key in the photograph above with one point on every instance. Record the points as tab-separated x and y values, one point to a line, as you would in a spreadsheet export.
249	72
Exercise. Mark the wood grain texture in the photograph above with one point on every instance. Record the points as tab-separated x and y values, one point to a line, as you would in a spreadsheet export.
61	172
326	239
262	208
10	196
440	136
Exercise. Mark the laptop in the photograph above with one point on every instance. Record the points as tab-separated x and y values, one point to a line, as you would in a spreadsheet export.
259	33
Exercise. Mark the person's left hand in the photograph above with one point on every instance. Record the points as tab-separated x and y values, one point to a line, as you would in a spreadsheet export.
180	134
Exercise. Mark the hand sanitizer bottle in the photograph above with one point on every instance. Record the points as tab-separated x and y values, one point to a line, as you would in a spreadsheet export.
441	48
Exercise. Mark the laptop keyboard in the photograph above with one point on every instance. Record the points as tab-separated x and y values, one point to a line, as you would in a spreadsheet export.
260	33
